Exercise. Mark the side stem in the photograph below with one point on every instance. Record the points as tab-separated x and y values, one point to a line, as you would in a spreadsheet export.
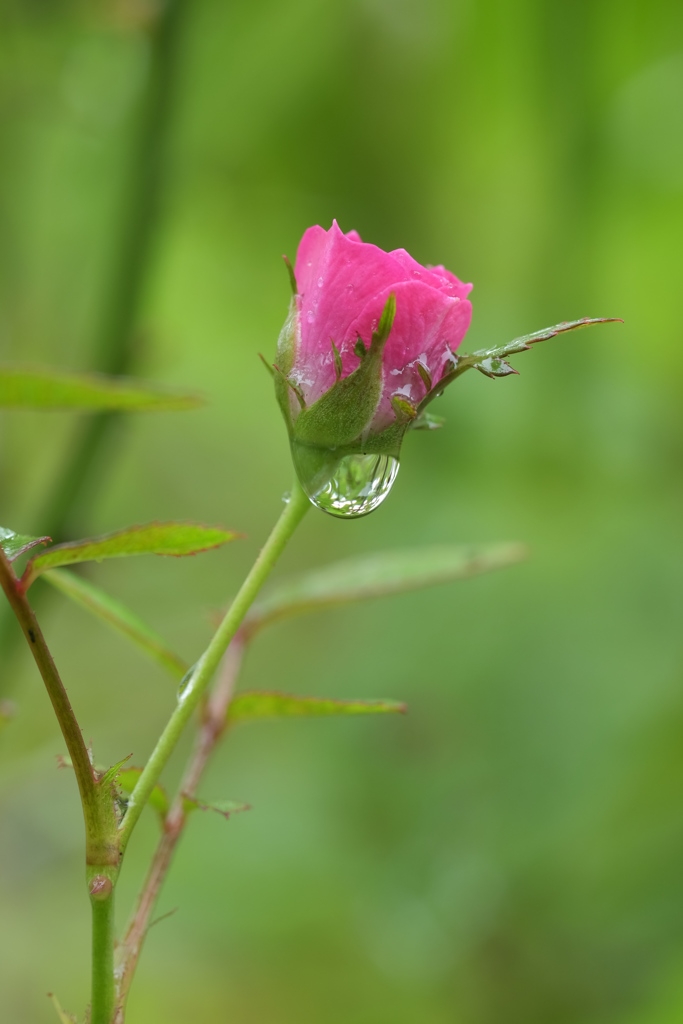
55	689
212	728
292	515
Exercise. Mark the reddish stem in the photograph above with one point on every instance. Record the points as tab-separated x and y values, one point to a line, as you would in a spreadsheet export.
55	688
212	728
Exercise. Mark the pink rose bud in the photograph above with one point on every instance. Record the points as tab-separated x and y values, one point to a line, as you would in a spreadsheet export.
369	335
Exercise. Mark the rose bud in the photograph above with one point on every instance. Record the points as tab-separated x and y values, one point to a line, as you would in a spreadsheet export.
369	339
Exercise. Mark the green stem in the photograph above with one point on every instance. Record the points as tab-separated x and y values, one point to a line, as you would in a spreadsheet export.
291	516
103	988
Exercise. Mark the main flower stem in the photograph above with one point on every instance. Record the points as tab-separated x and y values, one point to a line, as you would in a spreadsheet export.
103	986
293	513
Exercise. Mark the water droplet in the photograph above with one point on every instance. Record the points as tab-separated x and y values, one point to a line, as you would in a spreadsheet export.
286	497
349	487
310	316
184	682
320	282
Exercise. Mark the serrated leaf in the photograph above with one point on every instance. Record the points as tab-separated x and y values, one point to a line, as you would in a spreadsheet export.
44	388
493	367
271	704
492	361
15	544
128	779
224	807
118	616
175	539
389	572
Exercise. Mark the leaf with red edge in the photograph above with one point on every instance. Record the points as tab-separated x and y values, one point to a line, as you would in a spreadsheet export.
177	539
492	362
15	544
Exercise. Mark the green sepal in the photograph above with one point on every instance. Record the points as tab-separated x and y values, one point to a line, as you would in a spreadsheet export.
269	367
286	353
290	385
425	375
292	276
404	409
342	413
337	360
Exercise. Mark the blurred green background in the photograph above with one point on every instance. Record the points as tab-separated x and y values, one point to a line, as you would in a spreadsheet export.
511	852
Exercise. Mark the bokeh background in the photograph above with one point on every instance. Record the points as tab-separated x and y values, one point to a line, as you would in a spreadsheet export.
511	852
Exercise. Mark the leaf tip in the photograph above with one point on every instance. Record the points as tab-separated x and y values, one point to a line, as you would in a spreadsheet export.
292	275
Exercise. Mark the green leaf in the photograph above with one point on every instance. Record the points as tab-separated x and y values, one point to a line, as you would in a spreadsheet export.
15	544
128	779
263	704
492	361
389	572
23	387
117	615
153	539
224	807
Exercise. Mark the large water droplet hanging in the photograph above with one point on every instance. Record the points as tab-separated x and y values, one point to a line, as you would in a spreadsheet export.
350	487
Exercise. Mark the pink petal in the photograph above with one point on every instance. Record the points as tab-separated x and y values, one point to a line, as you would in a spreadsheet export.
344	284
308	256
